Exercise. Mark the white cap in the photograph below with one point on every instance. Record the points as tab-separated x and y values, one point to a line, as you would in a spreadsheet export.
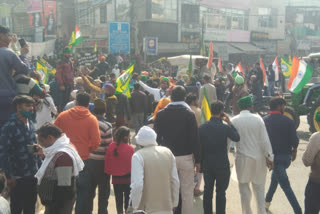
146	137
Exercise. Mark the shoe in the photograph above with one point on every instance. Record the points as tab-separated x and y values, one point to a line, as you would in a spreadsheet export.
267	205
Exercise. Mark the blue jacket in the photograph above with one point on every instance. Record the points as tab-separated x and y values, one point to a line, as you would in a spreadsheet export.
15	159
213	139
282	133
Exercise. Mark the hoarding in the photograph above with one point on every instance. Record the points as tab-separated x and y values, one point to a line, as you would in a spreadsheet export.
119	37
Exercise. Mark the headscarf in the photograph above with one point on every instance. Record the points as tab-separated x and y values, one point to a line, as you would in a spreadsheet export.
146	137
161	105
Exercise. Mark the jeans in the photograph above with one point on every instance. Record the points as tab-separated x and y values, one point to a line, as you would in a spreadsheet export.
121	191
221	177
279	176
23	196
83	186
98	178
138	121
312	195
271	88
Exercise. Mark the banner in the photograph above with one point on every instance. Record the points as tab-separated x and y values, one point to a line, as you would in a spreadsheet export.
34	6
41	48
88	59
50	17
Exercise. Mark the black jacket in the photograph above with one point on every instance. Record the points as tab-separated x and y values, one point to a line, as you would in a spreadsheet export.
176	127
213	139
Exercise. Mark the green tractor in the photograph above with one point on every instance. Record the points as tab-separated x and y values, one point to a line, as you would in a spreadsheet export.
305	103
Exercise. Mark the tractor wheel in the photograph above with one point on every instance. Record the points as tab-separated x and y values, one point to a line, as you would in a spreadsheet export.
289	112
314	126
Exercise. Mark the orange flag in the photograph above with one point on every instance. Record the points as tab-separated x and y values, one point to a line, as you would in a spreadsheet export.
210	55
220	65
263	70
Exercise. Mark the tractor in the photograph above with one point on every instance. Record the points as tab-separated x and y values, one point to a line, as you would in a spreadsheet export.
305	103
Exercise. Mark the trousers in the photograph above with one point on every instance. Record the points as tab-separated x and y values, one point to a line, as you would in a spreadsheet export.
121	191
312	195
246	195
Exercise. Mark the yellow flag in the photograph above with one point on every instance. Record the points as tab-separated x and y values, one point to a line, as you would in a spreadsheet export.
43	70
205	108
95	47
123	82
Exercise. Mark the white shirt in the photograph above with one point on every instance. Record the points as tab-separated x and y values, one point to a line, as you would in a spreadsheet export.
137	181
44	115
4	206
116	71
254	140
157	92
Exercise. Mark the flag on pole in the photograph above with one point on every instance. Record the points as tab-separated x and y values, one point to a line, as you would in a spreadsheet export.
72	39
78	37
239	69
210	55
219	65
275	67
95	47
203	48
190	68
286	67
123	82
43	70
263	70
300	75
205	108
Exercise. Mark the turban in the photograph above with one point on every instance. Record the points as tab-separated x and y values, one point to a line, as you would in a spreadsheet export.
245	102
317	118
109	87
161	105
66	50
143	78
239	80
165	79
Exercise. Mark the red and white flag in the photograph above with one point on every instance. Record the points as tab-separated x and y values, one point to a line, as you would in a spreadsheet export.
210	55
275	67
239	69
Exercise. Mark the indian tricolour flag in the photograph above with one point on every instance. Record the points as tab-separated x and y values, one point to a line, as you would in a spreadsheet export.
276	69
78	37
300	75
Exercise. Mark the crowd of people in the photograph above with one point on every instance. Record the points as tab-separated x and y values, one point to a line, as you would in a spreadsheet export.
63	140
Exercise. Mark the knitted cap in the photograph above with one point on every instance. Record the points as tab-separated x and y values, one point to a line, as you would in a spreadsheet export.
245	102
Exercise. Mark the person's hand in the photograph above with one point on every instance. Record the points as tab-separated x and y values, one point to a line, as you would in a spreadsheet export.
11	183
39	151
62	88
294	155
269	164
226	118
197	167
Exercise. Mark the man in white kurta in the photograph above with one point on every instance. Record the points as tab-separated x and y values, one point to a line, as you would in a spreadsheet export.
253	154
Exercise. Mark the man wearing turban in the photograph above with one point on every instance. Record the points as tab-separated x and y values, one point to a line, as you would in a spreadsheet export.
253	155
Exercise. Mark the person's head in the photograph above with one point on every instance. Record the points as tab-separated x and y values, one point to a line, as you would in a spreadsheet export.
3	181
239	80
245	103
102	78
99	107
160	105
97	82
113	77
178	94
121	135
146	137
5	36
109	89
14	38
192	100
277	104
257	65
24	105
116	66
207	79
217	109
102	59
143	78
83	99
136	87
48	134
164	83
67	52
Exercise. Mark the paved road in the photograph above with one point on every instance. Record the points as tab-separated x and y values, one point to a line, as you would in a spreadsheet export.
298	175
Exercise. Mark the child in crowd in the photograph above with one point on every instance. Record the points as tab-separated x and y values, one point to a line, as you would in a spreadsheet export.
118	164
4	204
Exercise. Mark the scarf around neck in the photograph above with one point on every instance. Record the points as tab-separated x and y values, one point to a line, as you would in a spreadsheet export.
62	144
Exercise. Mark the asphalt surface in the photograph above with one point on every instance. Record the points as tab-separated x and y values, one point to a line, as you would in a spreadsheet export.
298	176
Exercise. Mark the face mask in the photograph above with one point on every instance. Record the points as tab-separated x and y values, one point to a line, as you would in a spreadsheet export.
26	114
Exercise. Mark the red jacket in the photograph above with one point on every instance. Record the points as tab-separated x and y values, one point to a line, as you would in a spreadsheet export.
118	165
64	72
